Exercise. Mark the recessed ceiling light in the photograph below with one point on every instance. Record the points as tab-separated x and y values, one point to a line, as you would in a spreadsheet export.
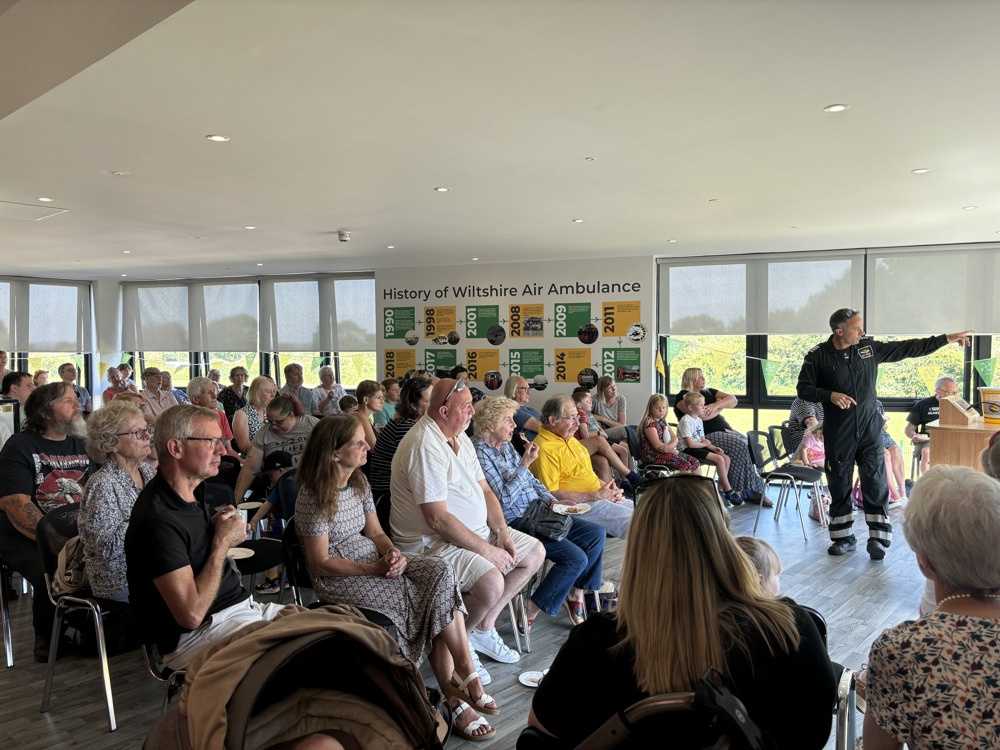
124	275
922	170
578	221
473	258
260	264
46	200
249	227
218	138
390	247
969	208
671	241
126	252
713	200
590	158
119	173
441	189
836	107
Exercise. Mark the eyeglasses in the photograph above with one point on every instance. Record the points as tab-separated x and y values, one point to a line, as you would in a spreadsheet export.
216	442
522	388
459	386
570	417
142	434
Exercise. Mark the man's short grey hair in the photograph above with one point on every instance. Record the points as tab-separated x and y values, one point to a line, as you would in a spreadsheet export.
953	517
554	407
199	384
178	422
942	380
842	316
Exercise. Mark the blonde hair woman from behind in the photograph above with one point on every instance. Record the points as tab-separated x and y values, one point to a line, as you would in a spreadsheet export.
689	599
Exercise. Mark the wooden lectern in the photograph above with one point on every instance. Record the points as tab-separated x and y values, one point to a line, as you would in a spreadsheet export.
959	435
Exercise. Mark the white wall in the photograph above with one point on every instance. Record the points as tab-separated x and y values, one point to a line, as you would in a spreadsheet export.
516	299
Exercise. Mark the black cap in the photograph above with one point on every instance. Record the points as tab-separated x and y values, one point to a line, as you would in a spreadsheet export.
276	460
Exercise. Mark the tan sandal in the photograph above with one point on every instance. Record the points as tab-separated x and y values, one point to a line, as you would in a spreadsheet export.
462	692
466	733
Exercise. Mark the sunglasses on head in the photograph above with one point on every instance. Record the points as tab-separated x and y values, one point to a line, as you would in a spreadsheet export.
459	386
679	476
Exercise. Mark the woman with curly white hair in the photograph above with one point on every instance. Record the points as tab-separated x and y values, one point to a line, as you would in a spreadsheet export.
932	682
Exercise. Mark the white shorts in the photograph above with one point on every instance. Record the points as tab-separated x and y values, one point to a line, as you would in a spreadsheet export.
218	626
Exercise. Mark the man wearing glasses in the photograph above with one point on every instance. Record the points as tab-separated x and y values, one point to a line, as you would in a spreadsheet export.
183	590
841	372
924	411
443	506
42	468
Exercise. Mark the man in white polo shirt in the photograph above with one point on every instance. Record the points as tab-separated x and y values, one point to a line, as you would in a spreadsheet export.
443	506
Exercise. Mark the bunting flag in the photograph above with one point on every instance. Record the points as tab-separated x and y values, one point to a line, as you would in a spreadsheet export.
660	368
316	364
121	358
928	374
249	360
985	368
721	360
769	369
102	368
673	349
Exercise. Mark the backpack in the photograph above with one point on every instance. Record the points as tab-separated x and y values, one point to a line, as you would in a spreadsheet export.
71	575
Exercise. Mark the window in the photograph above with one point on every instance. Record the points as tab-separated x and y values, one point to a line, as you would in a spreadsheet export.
789	351
310	361
178	364
914	378
355	367
51	360
721	358
226	361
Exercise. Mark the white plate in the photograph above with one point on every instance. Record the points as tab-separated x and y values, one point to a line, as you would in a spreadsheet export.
531	679
252	505
571	510
239	553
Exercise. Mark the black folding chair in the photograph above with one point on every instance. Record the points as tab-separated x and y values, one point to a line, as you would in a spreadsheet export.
53	531
788	477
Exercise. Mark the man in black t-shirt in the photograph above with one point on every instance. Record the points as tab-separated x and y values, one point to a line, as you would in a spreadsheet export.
924	411
42	468
184	590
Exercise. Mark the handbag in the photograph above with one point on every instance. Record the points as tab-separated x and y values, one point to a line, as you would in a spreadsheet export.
541	522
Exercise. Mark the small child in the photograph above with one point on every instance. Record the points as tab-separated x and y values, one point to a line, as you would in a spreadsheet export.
657	444
348	404
282	493
812	451
765	560
691	434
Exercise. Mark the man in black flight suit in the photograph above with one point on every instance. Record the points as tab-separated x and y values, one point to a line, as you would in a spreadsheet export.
842	371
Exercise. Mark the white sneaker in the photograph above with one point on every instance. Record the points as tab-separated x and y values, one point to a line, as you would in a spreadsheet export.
491	644
484	676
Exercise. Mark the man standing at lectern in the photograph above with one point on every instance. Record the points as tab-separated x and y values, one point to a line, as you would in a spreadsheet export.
841	372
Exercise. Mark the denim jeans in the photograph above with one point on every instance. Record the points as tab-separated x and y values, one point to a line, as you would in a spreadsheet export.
576	562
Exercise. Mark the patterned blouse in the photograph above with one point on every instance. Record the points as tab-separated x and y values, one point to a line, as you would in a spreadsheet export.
231	401
935	682
104	513
254	422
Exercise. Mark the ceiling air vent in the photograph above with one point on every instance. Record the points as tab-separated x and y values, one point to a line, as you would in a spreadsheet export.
28	211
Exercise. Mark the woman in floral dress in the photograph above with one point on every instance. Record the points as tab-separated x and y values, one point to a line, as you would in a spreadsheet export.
352	561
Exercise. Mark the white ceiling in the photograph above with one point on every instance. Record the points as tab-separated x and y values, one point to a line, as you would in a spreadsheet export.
704	119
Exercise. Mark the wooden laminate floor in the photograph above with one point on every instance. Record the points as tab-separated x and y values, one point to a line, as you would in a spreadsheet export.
859	598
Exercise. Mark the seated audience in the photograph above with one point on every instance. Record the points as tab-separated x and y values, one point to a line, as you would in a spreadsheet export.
689	600
42	467
126	370
765	561
657	442
742	476
202	392
18	385
184	592
391	388
40	378
293	386
370	399
609	409
326	396
216	377
234	396
3	364
894	470
157	400
527	418
287	429
131	397
280	493
691	436
603	456
348	404
68	374
250	418
577	558
932	682
442	506
924	411
413	399
116	385
118	440
812	450
563	467
803	415
167	385
352	561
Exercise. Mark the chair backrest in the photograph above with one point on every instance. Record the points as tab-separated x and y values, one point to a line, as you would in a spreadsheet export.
779	440
216	495
295	560
632	433
54	529
762	450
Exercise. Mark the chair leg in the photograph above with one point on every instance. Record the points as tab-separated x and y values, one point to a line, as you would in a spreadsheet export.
5	621
281	585
846	716
760	507
50	669
102	654
798	507
513	622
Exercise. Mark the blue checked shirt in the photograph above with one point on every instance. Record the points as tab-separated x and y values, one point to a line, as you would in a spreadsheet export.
510	481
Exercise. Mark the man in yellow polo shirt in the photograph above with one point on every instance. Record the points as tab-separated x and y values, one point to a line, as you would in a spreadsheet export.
563	466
